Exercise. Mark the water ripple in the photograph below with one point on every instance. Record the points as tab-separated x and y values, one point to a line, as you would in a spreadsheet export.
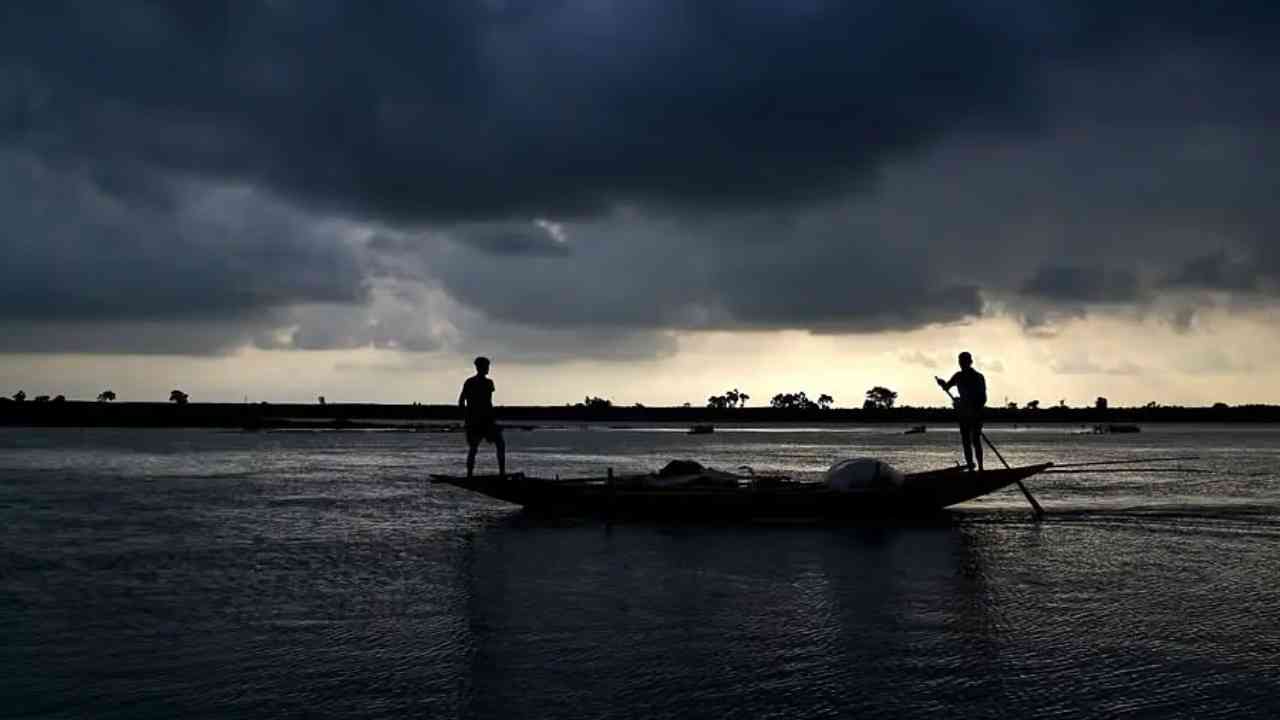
219	575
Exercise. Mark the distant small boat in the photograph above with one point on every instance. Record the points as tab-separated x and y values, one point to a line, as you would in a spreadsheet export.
915	430
703	429
1115	428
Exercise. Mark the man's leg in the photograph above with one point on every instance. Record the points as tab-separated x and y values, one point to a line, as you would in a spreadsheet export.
501	446
472	446
966	439
977	442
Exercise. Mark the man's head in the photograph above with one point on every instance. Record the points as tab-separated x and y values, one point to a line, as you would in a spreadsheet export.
482	365
966	360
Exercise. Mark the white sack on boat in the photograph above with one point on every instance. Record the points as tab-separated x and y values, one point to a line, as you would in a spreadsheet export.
863	474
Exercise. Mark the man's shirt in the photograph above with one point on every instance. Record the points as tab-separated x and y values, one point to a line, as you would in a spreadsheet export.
972	386
477	393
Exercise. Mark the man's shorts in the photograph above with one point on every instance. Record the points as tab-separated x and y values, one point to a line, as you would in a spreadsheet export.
970	420
483	431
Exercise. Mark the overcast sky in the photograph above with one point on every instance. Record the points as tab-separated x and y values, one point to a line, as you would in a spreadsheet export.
647	200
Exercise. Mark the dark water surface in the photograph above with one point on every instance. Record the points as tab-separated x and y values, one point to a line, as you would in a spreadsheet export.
171	573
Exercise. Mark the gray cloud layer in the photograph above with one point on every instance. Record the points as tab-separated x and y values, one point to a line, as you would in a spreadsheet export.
616	170
198	273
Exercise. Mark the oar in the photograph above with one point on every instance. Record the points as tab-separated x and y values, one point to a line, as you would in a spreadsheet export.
1103	471
1130	461
1039	511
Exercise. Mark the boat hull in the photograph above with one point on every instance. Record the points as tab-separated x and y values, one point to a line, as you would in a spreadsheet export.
627	497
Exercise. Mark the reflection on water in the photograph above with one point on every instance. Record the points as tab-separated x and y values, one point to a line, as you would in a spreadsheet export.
166	573
695	622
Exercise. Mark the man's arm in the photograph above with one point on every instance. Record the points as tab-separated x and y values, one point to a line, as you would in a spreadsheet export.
946	384
462	397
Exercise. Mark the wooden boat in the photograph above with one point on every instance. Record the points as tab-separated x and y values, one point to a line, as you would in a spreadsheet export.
702	429
713	496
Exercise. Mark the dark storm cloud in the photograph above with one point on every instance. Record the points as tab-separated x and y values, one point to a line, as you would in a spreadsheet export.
1094	284
737	133
527	239
464	109
732	273
1226	272
459	108
397	317
197	276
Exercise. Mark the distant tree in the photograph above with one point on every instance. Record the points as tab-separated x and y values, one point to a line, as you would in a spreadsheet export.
1012	405
321	399
596	403
793	401
20	396
106	396
1220	406
687	405
42	398
1033	405
825	401
882	397
731	399
1152	405
638	406
1062	403
179	397
1100	403
60	398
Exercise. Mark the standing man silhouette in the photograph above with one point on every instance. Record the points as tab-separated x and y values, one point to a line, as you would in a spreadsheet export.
476	401
969	406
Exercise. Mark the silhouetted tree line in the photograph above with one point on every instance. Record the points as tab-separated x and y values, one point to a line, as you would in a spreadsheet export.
800	401
880	406
176	396
731	399
21	396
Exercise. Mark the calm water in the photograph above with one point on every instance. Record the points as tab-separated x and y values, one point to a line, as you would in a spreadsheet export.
169	573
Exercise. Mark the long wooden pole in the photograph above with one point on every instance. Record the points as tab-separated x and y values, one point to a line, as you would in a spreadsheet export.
1127	461
1103	471
1035	506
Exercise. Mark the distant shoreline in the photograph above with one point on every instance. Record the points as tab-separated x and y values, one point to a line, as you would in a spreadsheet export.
443	418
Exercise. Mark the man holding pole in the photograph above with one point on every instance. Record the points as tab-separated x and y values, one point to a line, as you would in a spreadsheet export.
969	406
476	401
